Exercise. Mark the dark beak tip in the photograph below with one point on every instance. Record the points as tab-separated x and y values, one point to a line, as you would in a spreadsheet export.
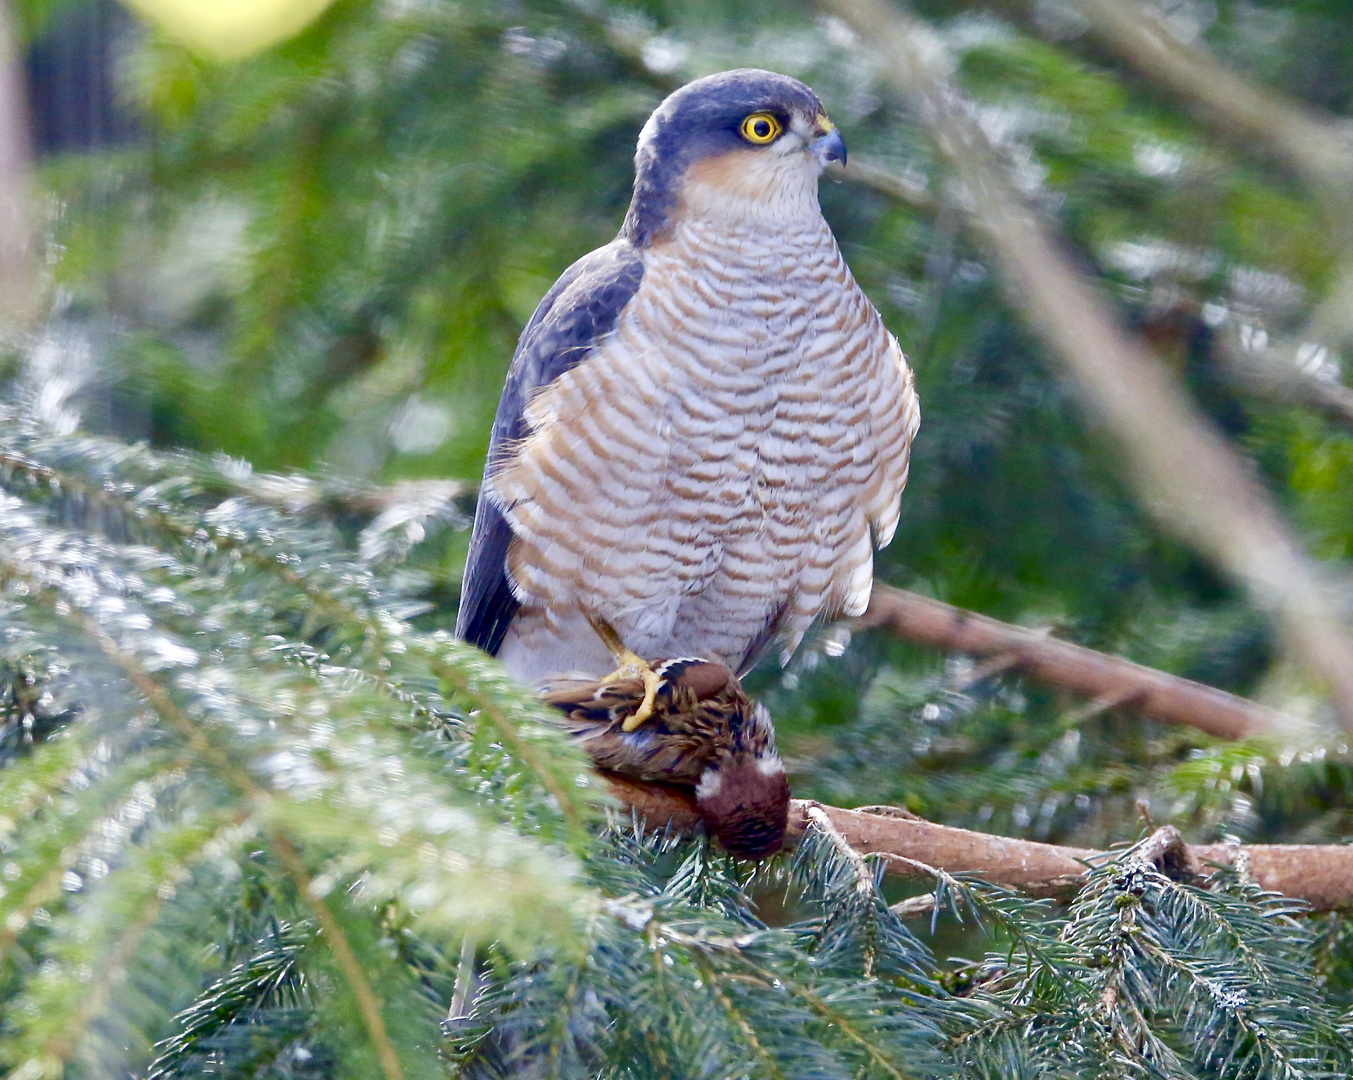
830	147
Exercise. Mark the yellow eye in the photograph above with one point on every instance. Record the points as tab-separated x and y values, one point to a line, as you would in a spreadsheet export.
760	128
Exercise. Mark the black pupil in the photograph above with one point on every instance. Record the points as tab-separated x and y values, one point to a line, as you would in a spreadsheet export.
762	128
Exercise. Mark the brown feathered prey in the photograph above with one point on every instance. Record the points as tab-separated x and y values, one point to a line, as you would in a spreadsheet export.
703	732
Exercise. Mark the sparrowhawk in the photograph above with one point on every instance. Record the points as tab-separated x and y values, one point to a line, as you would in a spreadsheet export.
706	426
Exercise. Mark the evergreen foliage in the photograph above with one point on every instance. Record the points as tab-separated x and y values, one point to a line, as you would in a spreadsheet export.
233	757
261	817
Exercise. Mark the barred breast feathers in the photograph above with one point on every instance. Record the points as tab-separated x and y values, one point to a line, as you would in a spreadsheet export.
725	460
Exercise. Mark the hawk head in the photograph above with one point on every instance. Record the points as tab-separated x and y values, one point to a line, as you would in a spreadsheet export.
744	142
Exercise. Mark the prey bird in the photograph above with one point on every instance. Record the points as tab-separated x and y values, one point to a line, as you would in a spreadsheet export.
704	733
706	426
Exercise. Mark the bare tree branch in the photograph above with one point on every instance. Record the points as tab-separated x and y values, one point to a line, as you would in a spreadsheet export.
1099	676
1183	469
1162	697
1320	874
1318	147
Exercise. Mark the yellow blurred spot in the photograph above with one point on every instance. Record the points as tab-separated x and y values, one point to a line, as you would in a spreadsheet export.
230	29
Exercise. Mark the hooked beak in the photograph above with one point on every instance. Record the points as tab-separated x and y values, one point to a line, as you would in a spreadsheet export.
829	146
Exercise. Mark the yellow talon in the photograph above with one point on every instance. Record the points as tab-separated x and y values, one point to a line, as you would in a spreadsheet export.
631	666
645	709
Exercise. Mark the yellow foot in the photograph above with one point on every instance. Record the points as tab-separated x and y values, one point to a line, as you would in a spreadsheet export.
631	666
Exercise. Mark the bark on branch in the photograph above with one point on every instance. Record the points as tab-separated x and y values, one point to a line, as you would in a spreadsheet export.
1185	472
1321	875
1110	680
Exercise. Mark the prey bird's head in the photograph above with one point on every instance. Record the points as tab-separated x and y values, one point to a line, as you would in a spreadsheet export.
737	144
743	795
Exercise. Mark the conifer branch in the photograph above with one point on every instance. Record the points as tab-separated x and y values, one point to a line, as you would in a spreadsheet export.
1319	874
378	626
559	1022
115	963
160	700
72	994
864	877
735	1014
834	1017
816	1002
75	834
572	800
342	950
270	975
299	493
367	1003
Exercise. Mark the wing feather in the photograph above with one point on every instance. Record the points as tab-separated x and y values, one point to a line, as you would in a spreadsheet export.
582	307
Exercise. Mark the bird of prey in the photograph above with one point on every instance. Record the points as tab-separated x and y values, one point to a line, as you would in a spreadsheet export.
706	426
704	733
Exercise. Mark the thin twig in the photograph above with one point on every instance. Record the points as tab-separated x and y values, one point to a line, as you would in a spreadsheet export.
864	874
297	493
915	907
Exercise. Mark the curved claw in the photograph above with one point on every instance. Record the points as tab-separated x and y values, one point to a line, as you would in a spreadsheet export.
651	682
631	666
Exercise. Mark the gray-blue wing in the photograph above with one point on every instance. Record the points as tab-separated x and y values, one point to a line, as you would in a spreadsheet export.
581	308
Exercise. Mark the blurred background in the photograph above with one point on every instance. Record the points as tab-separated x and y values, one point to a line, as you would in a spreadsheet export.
311	243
